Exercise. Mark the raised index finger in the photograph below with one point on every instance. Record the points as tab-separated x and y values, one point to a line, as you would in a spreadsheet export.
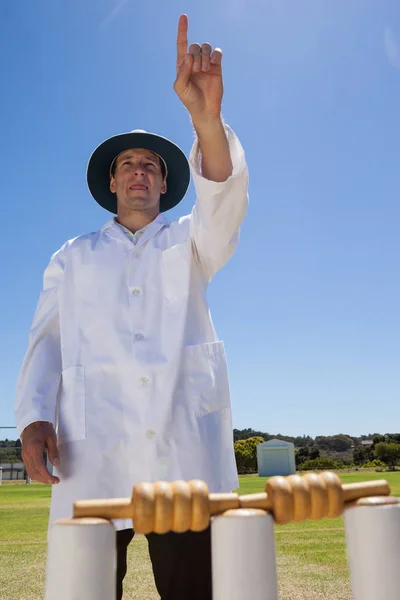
182	41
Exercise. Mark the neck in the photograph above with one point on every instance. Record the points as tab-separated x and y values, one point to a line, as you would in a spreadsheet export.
135	220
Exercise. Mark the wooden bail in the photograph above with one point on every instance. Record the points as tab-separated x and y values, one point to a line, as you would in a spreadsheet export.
181	506
143	500
301	498
182	513
335	494
280	498
318	495
200	505
163	507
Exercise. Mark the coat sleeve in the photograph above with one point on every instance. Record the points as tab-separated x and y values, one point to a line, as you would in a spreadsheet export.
219	210
40	374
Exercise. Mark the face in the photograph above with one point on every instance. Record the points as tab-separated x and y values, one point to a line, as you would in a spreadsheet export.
137	181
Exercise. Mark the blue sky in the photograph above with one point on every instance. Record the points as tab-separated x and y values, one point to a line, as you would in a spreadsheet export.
309	306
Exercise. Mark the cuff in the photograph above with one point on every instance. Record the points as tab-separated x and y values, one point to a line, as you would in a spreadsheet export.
33	417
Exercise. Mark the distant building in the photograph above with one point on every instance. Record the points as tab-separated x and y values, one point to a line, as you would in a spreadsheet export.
367	443
275	457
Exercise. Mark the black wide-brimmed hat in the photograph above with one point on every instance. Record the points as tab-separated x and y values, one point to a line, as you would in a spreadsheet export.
99	166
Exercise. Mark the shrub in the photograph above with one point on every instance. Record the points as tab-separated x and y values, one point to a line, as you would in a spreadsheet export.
373	464
388	453
320	464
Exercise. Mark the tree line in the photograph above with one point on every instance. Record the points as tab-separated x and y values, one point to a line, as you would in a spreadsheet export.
10	451
322	452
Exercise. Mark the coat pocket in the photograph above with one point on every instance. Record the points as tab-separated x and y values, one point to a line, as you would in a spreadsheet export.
72	405
205	374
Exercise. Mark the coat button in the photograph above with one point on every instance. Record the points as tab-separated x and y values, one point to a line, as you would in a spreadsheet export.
144	381
150	434
139	336
136	291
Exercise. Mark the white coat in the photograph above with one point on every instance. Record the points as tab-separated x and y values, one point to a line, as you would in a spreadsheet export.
123	357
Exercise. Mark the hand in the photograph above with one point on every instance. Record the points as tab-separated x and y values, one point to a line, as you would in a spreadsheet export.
199	76
36	438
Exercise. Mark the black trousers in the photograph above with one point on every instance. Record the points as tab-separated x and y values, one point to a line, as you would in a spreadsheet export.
181	563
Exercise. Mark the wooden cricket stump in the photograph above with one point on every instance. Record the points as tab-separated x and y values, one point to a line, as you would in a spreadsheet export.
242	532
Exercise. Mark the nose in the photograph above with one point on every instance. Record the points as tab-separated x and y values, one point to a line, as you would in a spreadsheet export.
138	169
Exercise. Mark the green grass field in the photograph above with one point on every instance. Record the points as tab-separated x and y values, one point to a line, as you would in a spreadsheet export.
311	556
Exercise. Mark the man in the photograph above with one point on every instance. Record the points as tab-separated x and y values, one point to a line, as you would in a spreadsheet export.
124	379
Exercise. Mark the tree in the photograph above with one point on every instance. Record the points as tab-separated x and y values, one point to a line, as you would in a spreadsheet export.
306	453
244	434
243	456
377	439
246	454
342	442
301	455
313	452
388	453
334	443
304	440
363	454
10	455
393	437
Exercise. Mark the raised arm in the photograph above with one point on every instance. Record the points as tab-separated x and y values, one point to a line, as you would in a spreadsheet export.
200	87
217	159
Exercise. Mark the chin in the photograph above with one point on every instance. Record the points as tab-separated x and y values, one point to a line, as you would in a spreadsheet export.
140	206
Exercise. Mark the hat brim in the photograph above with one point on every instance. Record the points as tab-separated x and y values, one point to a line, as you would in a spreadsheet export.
98	169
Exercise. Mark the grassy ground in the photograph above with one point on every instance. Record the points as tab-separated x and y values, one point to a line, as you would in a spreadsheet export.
311	556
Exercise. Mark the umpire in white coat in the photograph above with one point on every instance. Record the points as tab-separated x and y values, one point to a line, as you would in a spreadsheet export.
124	379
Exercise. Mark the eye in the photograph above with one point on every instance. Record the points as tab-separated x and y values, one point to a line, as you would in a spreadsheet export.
150	165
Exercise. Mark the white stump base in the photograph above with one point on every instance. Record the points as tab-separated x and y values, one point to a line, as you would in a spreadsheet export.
373	548
243	556
81	560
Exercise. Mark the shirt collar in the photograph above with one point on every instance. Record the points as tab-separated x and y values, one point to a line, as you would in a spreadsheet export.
160	219
133	236
115	229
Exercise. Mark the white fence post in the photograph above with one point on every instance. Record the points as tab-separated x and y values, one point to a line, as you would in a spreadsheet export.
81	560
243	555
373	548
1	475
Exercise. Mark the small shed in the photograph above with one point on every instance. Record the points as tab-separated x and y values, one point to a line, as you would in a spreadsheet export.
275	457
